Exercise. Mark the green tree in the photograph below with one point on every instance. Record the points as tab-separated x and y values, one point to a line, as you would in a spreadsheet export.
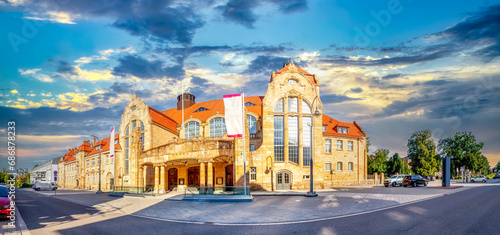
422	153
378	161
498	166
395	165
463	150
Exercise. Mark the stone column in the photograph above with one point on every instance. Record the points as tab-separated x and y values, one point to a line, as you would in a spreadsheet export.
210	178
141	178
163	183
375	177
381	178
157	179
202	178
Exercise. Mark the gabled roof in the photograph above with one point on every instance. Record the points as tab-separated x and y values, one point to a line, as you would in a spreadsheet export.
214	107
311	77
331	124
69	156
104	143
159	118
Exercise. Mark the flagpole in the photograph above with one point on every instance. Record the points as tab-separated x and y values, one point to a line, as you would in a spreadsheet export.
114	159
244	144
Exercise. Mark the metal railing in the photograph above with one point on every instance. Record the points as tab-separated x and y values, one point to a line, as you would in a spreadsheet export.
222	190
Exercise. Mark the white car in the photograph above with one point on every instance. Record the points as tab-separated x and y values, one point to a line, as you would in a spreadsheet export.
395	180
44	185
479	178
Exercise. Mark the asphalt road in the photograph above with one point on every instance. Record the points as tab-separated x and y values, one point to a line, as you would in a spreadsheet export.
473	211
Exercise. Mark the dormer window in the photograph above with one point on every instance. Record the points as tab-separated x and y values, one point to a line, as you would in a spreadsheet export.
343	130
201	109
250	104
98	147
324	128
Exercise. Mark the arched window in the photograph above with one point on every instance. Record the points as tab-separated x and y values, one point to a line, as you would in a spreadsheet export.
142	126
217	127
305	107
252	129
191	129
279	106
339	166
279	132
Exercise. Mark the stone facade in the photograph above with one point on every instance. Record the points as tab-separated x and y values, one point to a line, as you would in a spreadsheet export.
187	149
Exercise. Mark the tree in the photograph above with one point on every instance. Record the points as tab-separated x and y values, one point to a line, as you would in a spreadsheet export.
422	153
395	165
463	150
498	166
378	162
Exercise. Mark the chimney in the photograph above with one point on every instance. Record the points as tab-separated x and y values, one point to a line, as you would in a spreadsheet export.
93	141
187	98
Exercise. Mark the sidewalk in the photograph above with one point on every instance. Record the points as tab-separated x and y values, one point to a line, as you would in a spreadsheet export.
265	209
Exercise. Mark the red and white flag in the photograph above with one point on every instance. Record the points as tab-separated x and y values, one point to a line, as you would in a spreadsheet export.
233	105
112	143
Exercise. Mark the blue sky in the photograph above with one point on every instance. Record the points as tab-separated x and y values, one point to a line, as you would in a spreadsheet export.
396	67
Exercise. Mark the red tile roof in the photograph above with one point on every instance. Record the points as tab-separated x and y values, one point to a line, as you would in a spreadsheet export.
214	107
311	77
104	145
69	156
331	124
163	120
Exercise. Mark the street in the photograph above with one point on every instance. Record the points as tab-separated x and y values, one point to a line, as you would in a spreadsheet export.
471	211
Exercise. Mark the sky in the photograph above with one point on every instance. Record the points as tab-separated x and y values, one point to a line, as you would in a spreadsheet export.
68	68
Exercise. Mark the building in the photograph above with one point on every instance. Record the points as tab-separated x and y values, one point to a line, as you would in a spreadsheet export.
187	146
45	171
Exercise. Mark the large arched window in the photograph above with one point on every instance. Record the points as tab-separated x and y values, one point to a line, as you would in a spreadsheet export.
252	128
191	129
292	115
217	127
128	140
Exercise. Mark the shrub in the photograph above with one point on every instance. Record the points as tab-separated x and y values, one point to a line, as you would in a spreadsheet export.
490	176
26	185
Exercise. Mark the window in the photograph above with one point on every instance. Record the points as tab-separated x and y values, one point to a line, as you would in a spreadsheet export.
305	107
142	125
93	161
343	130
143	141
98	147
293	104
291	81
279	148
127	152
217	127
349	145
279	106
107	160
328	146
339	166
339	144
251	121
127	131
134	108
201	109
116	141
253	173
324	128
349	166
306	177
306	137
293	139
252	148
88	163
250	104
191	129
328	166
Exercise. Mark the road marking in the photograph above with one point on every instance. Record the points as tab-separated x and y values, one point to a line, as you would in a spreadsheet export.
22	226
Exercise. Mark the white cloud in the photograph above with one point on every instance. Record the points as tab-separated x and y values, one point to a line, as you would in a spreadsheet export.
55	16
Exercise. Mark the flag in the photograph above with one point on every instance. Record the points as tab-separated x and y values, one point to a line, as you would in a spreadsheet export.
233	105
112	143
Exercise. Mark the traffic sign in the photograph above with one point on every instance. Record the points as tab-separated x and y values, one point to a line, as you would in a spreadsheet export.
55	172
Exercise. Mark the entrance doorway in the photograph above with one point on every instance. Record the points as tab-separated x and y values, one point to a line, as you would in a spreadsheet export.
229	177
172	178
77	183
283	181
194	176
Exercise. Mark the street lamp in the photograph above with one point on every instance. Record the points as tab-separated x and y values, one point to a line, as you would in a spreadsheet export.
100	149
316	113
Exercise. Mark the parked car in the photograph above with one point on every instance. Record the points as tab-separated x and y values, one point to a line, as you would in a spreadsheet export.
414	180
43	185
4	202
395	180
496	177
479	178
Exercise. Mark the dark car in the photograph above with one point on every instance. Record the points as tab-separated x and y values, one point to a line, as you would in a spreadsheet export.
4	202
496	177
414	180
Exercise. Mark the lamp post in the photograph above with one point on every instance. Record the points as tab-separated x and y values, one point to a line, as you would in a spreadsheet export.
100	149
311	192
